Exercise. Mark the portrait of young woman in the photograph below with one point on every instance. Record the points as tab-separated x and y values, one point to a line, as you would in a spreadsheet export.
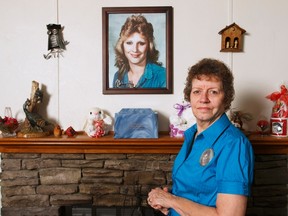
136	53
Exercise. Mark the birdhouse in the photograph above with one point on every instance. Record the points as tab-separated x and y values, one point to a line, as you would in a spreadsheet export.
232	38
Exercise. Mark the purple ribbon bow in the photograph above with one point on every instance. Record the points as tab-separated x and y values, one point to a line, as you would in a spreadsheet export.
181	108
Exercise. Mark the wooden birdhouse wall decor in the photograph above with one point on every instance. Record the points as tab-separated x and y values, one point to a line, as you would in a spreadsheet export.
232	38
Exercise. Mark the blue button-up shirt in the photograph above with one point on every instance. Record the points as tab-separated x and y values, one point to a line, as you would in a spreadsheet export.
230	170
154	76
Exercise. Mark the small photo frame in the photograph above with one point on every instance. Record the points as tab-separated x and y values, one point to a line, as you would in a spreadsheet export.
137	50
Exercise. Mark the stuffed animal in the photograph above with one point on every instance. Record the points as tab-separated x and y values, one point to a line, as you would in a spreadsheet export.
181	120
97	123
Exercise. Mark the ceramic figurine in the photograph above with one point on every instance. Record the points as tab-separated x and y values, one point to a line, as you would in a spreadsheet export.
70	132
57	131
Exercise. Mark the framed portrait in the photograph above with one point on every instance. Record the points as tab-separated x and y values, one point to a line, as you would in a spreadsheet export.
137	50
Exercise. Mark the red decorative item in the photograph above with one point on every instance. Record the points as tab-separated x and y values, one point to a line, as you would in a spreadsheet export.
263	126
70	132
280	108
279	114
11	124
99	128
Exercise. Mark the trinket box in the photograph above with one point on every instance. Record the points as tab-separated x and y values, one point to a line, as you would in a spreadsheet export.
136	123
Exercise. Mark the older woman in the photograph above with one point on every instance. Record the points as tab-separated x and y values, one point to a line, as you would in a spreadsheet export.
213	172
137	57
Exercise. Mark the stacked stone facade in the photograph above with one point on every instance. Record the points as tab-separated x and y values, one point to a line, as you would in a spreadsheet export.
39	184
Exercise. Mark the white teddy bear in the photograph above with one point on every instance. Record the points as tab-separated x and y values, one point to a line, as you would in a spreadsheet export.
181	120
97	123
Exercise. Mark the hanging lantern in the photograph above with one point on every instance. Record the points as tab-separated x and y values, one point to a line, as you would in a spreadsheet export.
56	42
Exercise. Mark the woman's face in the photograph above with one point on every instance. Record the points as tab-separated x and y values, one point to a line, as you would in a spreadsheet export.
135	48
206	99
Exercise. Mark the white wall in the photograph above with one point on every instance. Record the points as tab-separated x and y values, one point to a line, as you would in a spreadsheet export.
74	83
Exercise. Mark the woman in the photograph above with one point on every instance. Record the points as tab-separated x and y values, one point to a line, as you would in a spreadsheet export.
137	57
213	172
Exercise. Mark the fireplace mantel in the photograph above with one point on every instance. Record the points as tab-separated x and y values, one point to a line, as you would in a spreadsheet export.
84	144
107	144
267	144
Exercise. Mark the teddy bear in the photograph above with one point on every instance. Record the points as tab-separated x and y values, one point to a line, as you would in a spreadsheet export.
181	120
98	123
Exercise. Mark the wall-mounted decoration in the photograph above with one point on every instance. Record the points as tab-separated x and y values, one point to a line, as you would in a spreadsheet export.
137	50
56	42
232	38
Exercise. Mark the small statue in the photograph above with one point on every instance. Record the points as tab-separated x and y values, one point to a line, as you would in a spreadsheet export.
97	123
57	131
34	125
235	43
237	117
36	121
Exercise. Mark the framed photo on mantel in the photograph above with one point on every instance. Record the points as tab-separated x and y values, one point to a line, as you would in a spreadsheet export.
137	50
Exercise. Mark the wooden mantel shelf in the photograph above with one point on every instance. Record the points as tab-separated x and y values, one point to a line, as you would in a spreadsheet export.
107	144
266	144
84	144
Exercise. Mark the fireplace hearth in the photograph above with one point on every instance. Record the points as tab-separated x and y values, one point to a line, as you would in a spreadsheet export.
90	210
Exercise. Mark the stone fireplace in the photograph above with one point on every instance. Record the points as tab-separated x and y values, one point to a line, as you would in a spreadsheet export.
40	177
39	184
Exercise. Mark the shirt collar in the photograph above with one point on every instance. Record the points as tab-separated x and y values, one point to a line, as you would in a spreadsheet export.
214	130
148	74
